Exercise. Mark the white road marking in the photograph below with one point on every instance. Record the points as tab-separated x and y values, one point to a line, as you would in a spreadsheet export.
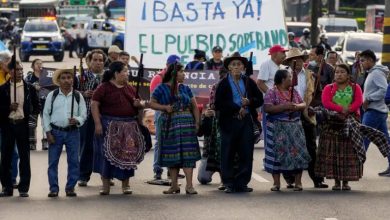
259	178
330	218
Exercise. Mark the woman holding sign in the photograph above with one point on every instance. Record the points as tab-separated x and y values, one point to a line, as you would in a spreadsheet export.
177	127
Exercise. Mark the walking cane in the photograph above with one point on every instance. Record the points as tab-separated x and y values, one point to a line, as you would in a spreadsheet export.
13	61
140	74
73	91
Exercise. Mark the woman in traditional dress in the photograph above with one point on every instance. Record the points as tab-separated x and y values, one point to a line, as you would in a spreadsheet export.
285	151
337	155
177	127
211	154
118	145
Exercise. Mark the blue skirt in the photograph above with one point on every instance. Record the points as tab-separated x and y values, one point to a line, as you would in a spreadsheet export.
100	163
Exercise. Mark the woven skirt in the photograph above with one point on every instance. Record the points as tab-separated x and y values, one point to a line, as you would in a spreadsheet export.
178	140
336	156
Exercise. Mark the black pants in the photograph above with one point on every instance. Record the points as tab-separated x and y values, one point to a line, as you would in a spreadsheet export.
72	47
237	145
10	134
311	145
82	46
87	133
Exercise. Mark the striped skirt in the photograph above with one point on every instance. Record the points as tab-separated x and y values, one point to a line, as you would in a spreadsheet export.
336	156
177	140
285	151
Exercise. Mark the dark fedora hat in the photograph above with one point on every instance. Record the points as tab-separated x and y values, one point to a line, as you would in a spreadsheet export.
234	56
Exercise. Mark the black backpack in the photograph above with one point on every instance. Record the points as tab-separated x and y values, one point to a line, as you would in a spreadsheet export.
55	94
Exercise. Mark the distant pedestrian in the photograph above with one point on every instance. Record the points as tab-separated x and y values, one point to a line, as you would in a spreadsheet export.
216	62
198	62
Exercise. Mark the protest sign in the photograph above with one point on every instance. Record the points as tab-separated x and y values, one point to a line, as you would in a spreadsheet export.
159	28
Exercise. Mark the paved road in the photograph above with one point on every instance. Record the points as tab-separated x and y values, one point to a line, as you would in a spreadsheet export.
369	199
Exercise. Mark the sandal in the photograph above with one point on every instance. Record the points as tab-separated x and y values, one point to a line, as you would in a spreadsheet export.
275	188
127	190
298	188
172	190
191	191
336	187
346	188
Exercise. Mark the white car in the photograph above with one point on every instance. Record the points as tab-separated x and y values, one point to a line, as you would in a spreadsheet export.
352	42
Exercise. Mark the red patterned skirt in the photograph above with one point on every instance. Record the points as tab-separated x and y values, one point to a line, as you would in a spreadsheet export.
336	156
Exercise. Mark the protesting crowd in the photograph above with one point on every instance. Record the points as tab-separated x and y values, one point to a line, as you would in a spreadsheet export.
297	99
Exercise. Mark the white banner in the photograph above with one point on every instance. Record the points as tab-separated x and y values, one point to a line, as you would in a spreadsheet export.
159	28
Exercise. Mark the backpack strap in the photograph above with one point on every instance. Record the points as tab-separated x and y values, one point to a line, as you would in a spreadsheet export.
55	94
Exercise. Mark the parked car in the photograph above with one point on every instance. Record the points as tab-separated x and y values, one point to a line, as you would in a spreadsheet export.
351	42
41	36
333	38
338	24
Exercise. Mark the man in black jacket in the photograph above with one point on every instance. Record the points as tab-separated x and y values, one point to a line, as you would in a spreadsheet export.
15	109
236	100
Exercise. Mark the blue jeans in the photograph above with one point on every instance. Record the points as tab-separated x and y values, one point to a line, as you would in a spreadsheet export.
156	166
15	167
71	140
377	120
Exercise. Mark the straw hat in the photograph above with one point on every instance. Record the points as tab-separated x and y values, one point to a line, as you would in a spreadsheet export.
294	53
57	74
235	56
114	49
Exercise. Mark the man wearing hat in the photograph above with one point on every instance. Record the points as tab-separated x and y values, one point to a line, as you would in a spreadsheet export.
305	88
236	99
265	79
216	62
198	62
62	128
113	55
16	104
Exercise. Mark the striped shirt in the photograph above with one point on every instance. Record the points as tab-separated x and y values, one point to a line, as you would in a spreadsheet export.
90	82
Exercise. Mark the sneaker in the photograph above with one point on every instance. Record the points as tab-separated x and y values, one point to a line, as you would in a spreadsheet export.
82	183
385	173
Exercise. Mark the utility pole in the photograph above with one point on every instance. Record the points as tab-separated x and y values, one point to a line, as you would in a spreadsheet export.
315	4
299	10
386	36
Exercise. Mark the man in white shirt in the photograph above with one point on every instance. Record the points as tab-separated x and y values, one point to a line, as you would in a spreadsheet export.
265	79
61	125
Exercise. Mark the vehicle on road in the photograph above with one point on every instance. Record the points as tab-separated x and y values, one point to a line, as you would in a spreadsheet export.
333	38
352	42
41	36
37	8
104	33
333	24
